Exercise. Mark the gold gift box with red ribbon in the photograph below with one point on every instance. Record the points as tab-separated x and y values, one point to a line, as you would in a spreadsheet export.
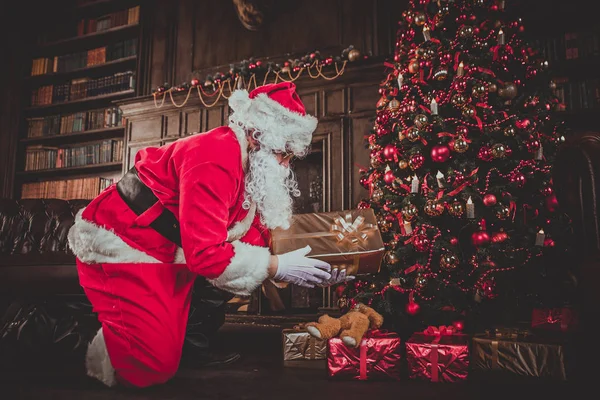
346	239
302	350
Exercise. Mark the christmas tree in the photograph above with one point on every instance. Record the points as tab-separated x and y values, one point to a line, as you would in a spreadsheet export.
461	160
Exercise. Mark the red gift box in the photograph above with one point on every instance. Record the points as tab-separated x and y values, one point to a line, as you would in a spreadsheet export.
438	356
555	319
377	357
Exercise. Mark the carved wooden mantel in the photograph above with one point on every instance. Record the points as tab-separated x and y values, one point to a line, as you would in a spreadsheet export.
345	108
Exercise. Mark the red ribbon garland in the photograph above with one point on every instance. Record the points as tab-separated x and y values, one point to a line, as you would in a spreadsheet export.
464	185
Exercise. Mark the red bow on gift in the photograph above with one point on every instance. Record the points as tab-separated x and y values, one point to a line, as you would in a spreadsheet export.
441	330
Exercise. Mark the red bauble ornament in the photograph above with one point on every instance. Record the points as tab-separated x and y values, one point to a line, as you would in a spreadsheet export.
454	241
412	308
519	179
480	238
340	290
499	237
488	289
552	203
421	243
458	325
194	82
523	123
547	190
462	130
390	152
532	145
382	131
549	242
485	154
416	161
440	153
459	179
489	200
389	177
363	205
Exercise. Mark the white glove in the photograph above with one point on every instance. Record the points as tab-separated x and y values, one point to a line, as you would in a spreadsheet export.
294	267
338	275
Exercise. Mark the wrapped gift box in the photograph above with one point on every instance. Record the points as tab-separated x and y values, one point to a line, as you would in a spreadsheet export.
562	319
346	239
302	350
438	358
519	353
377	358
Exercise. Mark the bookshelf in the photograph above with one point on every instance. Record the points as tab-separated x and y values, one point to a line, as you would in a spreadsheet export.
71	133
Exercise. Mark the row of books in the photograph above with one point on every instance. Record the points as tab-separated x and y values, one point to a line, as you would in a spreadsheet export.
82	88
578	95
75	122
128	16
97	56
79	188
45	157
572	45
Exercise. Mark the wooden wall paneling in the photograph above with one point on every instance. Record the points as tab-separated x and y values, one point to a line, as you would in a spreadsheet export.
132	150
388	13
358	25
330	132
334	102
215	117
160	42
146	128
192	121
217	31
172	124
363	97
185	35
310	101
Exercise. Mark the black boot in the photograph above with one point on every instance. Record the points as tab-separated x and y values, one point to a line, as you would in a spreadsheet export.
206	316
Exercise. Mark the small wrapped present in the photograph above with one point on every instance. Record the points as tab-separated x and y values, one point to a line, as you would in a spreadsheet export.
302	350
345	239
438	355
562	319
377	357
518	352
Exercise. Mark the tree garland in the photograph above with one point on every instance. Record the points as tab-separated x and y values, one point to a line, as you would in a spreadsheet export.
249	73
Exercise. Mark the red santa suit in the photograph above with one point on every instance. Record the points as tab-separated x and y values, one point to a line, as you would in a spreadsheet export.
139	282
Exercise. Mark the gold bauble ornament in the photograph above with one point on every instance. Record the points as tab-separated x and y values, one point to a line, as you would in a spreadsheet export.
460	145
413	66
503	212
509	131
509	91
384	224
354	55
420	52
443	10
468	112
492	87
441	74
420	282
409	212
459	99
433	208
420	18
421	121
391	257
498	150
413	134
383	101
457	209
402	164
479	90
375	163
377	195
465	32
448	261
552	85
374	147
393	105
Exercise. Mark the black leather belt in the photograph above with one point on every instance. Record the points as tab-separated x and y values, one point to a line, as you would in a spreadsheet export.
140	198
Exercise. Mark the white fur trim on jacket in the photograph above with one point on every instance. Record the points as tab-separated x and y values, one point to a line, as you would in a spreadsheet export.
97	361
94	244
280	127
246	271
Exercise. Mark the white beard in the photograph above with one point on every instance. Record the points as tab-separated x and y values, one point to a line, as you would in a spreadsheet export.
271	186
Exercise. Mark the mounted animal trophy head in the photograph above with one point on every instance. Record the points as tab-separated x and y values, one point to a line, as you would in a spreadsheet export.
254	13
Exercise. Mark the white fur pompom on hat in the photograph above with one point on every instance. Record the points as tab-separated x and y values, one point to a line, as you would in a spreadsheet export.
277	113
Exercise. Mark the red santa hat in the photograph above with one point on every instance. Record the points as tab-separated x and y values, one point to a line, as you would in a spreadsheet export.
277	113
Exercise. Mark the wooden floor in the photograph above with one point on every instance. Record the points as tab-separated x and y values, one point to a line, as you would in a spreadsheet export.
258	375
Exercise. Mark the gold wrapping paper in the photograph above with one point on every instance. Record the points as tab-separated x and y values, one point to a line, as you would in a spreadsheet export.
519	354
302	350
345	239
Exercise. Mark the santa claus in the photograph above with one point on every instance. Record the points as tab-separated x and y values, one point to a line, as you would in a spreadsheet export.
199	208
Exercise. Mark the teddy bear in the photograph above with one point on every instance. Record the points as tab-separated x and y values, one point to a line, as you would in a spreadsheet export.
350	327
